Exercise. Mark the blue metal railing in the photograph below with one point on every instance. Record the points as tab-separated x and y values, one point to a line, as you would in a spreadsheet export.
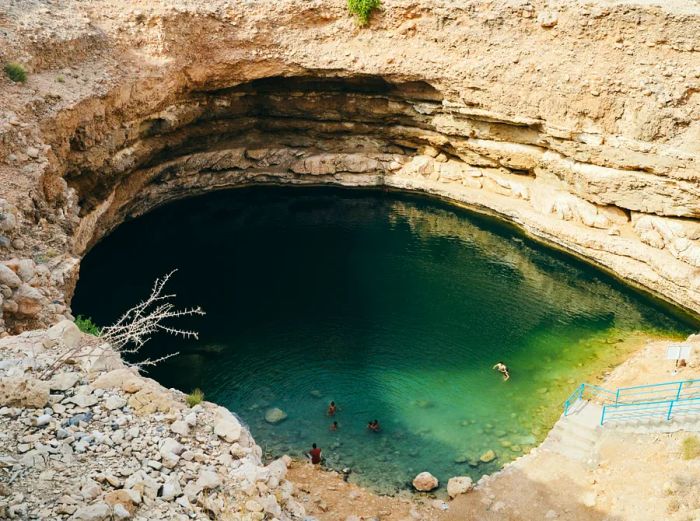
665	400
587	392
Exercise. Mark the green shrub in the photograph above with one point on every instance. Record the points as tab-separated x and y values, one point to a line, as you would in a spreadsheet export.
195	397
690	448
86	325
363	9
60	79
15	72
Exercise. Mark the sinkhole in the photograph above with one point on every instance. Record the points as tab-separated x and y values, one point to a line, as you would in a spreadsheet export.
394	306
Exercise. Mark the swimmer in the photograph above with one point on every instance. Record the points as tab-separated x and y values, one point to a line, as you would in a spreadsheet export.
503	369
331	409
334	426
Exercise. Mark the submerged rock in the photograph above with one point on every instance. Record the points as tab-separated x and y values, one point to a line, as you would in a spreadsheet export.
488	456
275	415
425	482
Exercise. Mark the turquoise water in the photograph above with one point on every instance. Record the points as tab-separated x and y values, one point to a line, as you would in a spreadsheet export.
393	306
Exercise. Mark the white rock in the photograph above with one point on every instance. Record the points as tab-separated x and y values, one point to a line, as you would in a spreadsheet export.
114	402
90	489
83	400
63	381
171	489
180	427
96	512
227	426
425	482
42	420
65	334
208	479
459	485
9	277
120	511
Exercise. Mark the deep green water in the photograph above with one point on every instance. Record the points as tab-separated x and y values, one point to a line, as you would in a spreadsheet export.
393	306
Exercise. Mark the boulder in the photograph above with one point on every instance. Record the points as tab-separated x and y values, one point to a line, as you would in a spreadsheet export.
96	512
275	415
125	379
65	333
227	426
29	300
151	399
63	381
9	277
23	391
425	482
459	485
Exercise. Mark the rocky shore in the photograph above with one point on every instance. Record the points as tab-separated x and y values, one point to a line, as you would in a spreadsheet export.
96	441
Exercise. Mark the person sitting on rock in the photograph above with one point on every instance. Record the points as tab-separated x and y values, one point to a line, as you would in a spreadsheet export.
334	426
331	409
314	454
503	369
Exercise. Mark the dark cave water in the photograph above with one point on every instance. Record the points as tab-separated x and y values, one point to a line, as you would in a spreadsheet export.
394	306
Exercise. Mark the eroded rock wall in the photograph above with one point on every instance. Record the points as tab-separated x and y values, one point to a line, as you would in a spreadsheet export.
577	121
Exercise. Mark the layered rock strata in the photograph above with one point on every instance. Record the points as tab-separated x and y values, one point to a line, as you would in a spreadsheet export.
563	117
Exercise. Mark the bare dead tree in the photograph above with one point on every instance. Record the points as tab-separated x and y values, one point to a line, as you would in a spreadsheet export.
135	327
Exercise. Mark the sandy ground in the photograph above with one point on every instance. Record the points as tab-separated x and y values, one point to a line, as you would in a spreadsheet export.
632	476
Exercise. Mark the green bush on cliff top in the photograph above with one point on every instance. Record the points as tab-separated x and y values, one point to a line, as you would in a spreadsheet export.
16	72
362	9
86	325
195	397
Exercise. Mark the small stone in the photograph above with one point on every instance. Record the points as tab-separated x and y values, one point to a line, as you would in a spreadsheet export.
42	420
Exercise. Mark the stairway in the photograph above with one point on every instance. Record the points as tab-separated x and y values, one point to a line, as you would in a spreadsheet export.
576	435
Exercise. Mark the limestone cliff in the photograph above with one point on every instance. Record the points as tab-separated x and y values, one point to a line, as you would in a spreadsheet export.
576	120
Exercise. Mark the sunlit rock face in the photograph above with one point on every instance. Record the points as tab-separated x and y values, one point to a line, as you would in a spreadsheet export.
565	119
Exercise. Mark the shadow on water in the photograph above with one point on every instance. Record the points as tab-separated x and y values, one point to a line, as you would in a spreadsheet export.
394	307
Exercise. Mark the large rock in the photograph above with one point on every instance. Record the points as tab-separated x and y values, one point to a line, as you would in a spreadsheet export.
227	426
65	334
63	381
29	300
23	391
96	512
125	379
425	482
459	485
9	277
275	415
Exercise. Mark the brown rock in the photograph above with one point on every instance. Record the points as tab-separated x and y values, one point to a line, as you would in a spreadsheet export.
23	391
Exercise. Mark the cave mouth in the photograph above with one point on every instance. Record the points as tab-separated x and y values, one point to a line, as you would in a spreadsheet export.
308	129
391	305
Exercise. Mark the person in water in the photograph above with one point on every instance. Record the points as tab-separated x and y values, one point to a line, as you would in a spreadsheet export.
334	426
331	409
314	454
503	369
374	426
